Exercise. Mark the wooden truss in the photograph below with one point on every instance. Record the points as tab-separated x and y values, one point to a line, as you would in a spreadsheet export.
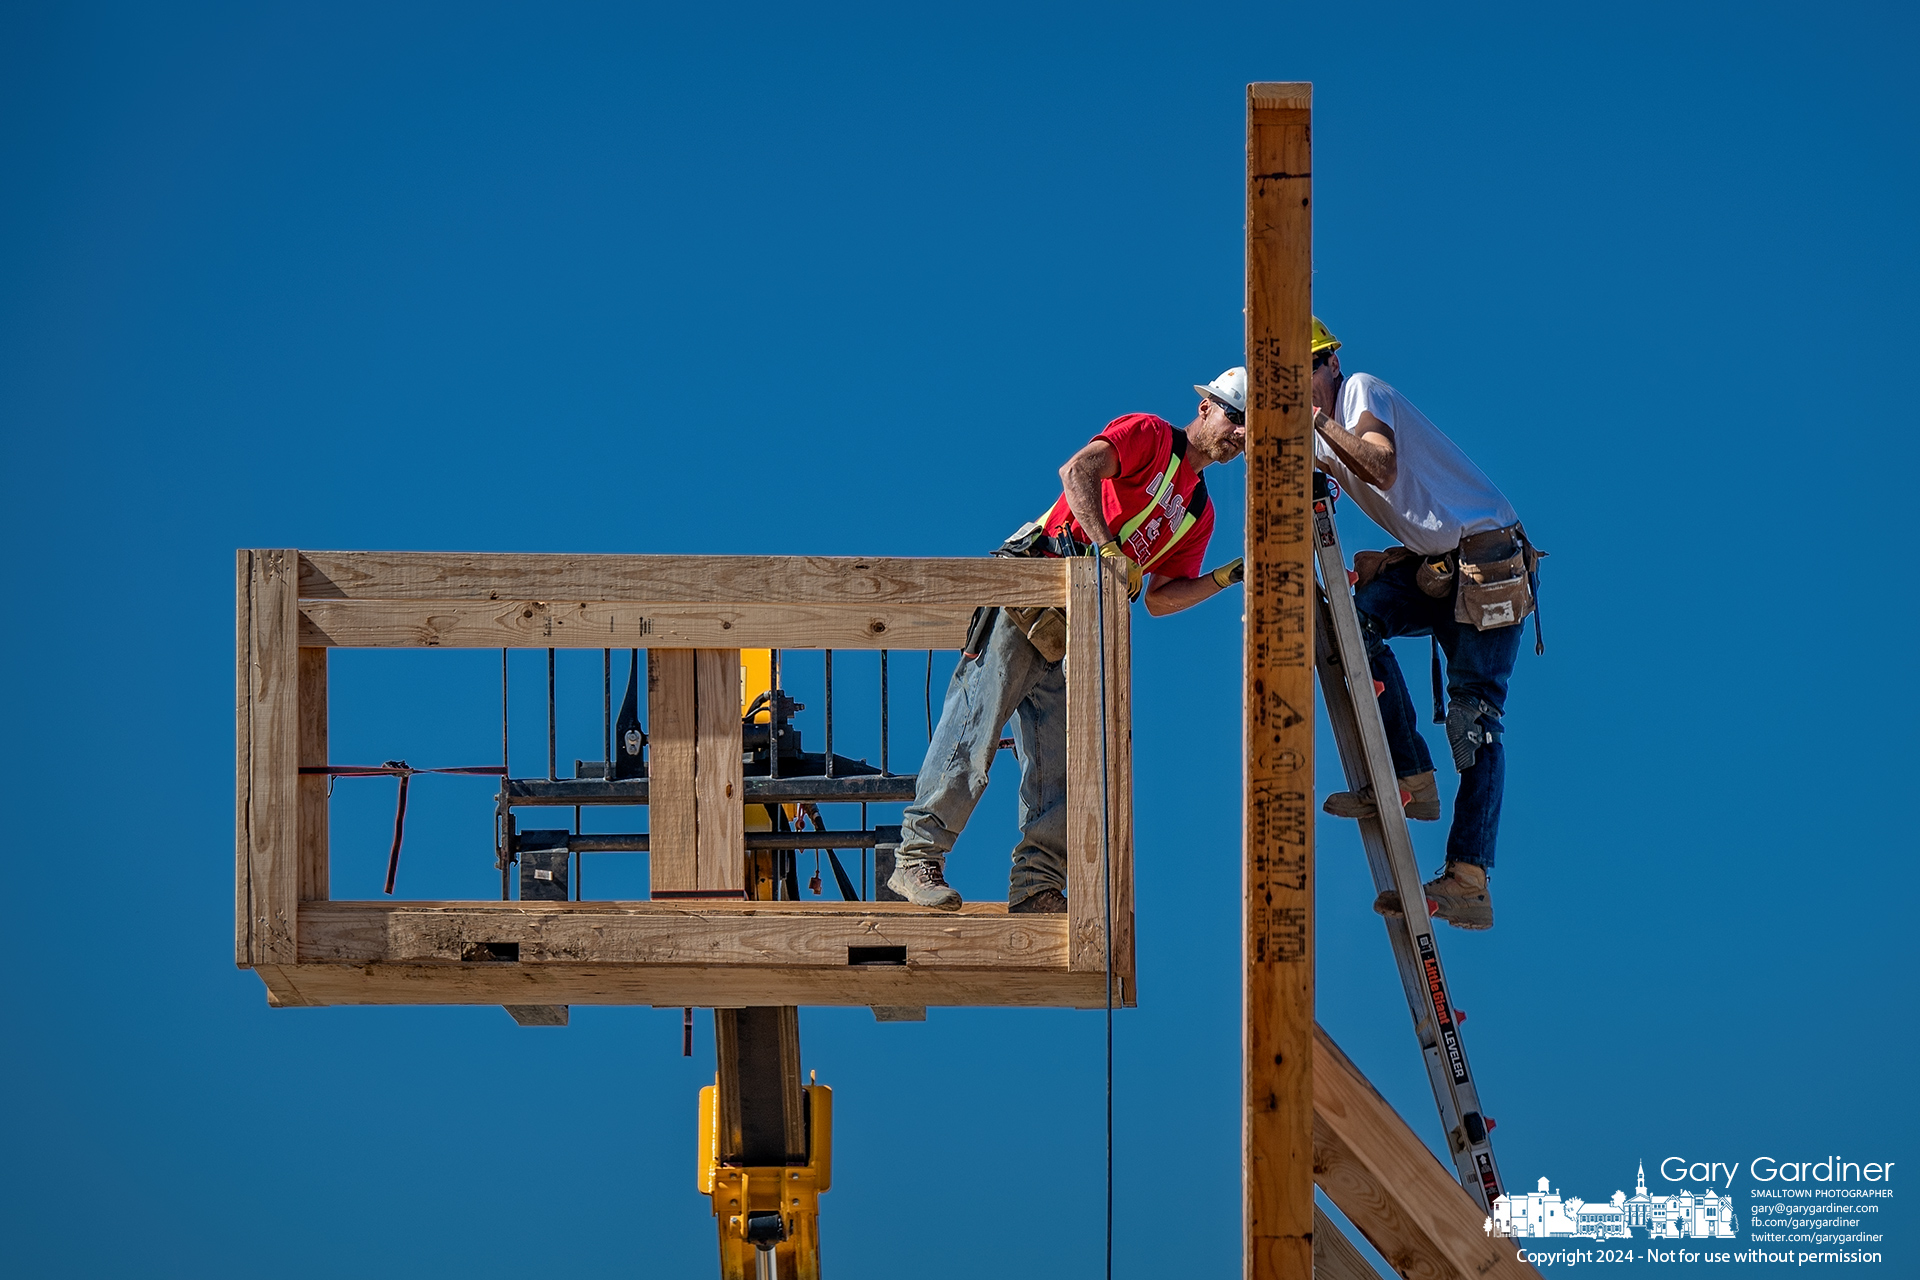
693	614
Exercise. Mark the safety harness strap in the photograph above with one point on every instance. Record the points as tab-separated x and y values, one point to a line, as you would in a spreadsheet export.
1160	494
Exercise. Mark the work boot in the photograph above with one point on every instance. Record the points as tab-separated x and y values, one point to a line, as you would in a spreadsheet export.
1047	902
1419	792
1459	895
919	881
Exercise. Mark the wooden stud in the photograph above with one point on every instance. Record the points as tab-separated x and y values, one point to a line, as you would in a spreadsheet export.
718	788
743	580
314	879
1408	1205
597	624
779	935
268	749
1085	896
538	1015
677	986
1334	1256
281	992
1278	873
243	759
671	737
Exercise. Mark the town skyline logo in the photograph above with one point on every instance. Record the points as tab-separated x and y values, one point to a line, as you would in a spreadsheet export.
1684	1215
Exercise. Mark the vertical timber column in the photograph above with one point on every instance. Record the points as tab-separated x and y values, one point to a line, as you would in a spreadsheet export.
1277	1138
720	862
694	791
315	883
1086	898
267	741
670	771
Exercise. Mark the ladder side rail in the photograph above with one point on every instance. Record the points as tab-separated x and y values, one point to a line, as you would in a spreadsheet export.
1469	1140
1353	763
1346	737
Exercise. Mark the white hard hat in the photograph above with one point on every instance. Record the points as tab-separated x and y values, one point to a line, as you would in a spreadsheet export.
1230	389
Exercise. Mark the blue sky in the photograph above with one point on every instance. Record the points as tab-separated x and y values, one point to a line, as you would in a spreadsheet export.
855	281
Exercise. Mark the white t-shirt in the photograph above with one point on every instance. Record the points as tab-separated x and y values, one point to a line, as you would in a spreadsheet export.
1438	496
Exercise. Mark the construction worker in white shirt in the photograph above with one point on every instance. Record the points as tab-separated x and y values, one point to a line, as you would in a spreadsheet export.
1465	575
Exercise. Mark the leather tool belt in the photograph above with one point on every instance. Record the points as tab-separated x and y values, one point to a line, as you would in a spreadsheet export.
1491	576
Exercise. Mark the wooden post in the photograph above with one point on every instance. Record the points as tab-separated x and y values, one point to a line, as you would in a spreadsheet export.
267	748
315	884
1277	1137
670	771
720	863
695	787
1085	888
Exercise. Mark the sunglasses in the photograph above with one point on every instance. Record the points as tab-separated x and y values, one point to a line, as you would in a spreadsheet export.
1320	358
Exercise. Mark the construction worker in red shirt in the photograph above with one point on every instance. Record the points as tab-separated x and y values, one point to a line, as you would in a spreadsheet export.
1135	492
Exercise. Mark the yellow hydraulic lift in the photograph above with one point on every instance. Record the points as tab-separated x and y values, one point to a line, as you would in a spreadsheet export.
766	1140
769	1216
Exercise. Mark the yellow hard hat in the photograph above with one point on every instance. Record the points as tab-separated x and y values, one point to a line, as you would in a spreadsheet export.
1323	339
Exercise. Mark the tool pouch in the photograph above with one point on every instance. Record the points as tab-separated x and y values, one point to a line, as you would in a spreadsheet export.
1045	629
1435	576
1494	589
1368	565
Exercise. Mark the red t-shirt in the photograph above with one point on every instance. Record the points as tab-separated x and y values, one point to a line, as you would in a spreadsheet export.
1143	444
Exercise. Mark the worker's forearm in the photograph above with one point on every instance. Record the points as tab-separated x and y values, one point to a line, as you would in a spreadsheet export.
1081	484
1171	595
1373	463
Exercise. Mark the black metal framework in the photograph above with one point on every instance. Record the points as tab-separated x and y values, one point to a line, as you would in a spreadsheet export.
779	772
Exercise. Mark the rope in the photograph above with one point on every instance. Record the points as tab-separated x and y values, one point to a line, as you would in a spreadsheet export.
1106	872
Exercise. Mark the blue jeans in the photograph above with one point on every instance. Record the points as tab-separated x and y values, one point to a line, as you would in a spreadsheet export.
1479	664
1010	680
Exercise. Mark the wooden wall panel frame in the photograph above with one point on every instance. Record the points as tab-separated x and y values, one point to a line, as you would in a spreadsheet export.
692	613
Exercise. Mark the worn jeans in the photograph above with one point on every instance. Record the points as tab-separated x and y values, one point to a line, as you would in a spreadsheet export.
1479	664
1010	680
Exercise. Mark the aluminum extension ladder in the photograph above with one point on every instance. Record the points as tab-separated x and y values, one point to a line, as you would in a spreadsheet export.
1354	708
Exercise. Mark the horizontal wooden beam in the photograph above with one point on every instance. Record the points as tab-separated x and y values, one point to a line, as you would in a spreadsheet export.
1391	1187
780	935
677	986
661	580
512	623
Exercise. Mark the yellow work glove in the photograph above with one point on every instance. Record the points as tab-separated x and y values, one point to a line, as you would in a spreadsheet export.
1133	570
1228	574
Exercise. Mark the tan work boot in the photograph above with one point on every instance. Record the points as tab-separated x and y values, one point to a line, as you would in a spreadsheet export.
1047	902
921	882
1458	895
1419	793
